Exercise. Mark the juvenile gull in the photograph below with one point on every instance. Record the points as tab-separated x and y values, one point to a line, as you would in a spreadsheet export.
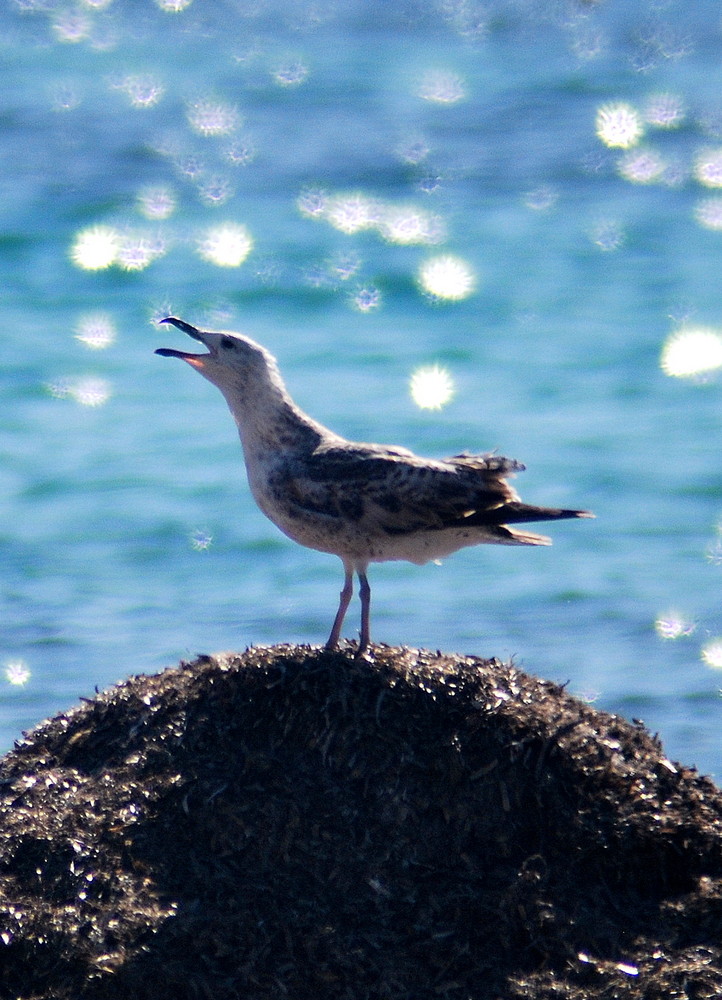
362	502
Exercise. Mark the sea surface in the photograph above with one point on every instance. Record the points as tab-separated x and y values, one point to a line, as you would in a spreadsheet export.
458	225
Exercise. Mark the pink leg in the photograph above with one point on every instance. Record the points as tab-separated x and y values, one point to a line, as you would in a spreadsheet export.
365	595
342	607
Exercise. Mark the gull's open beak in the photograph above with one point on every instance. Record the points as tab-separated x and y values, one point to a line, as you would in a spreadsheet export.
193	359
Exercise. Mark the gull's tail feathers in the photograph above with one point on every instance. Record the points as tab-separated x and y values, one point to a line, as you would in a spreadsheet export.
499	519
510	536
517	513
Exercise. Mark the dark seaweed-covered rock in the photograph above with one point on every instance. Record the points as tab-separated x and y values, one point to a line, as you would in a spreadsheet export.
411	826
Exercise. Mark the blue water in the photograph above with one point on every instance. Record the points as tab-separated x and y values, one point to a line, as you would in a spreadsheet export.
128	536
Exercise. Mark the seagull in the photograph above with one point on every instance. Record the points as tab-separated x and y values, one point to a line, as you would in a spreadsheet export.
362	502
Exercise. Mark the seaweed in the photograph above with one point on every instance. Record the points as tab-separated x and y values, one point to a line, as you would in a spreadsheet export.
293	822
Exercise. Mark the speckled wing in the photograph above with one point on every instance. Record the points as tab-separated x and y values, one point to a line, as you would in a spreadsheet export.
496	502
391	490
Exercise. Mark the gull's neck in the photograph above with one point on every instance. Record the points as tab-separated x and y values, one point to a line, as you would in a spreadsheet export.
267	418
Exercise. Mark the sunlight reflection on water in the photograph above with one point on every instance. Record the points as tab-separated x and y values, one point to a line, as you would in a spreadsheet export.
430	202
447	277
431	387
95	330
692	352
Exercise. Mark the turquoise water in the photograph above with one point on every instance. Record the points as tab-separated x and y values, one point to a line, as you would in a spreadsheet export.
341	149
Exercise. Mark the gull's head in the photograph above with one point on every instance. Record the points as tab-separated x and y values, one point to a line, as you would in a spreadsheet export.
231	359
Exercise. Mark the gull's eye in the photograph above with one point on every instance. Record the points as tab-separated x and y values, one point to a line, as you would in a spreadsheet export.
228	343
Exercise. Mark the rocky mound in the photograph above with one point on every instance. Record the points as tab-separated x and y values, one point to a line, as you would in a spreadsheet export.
293	823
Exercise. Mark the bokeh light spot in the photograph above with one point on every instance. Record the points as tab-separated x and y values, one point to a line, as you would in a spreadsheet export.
226	245
692	352
351	213
712	653
317	276
59	388
95	330
442	87
714	549
447	277
211	118
409	225
90	391
137	252
708	168
355	212
642	166
290	74
345	266
17	673
191	166
72	26
143	91
312	203
240	153
65	97
469	18
714	552
367	299
431	387
587	42
156	202
673	626
619	125
174	6
413	151
215	191
708	213
664	111
541	199
608	235
95	248
201	540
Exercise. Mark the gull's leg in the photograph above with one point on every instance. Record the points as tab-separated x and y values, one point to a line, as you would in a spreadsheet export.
365	595
342	606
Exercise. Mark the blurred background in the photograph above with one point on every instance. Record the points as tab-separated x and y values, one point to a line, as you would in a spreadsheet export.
462	224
